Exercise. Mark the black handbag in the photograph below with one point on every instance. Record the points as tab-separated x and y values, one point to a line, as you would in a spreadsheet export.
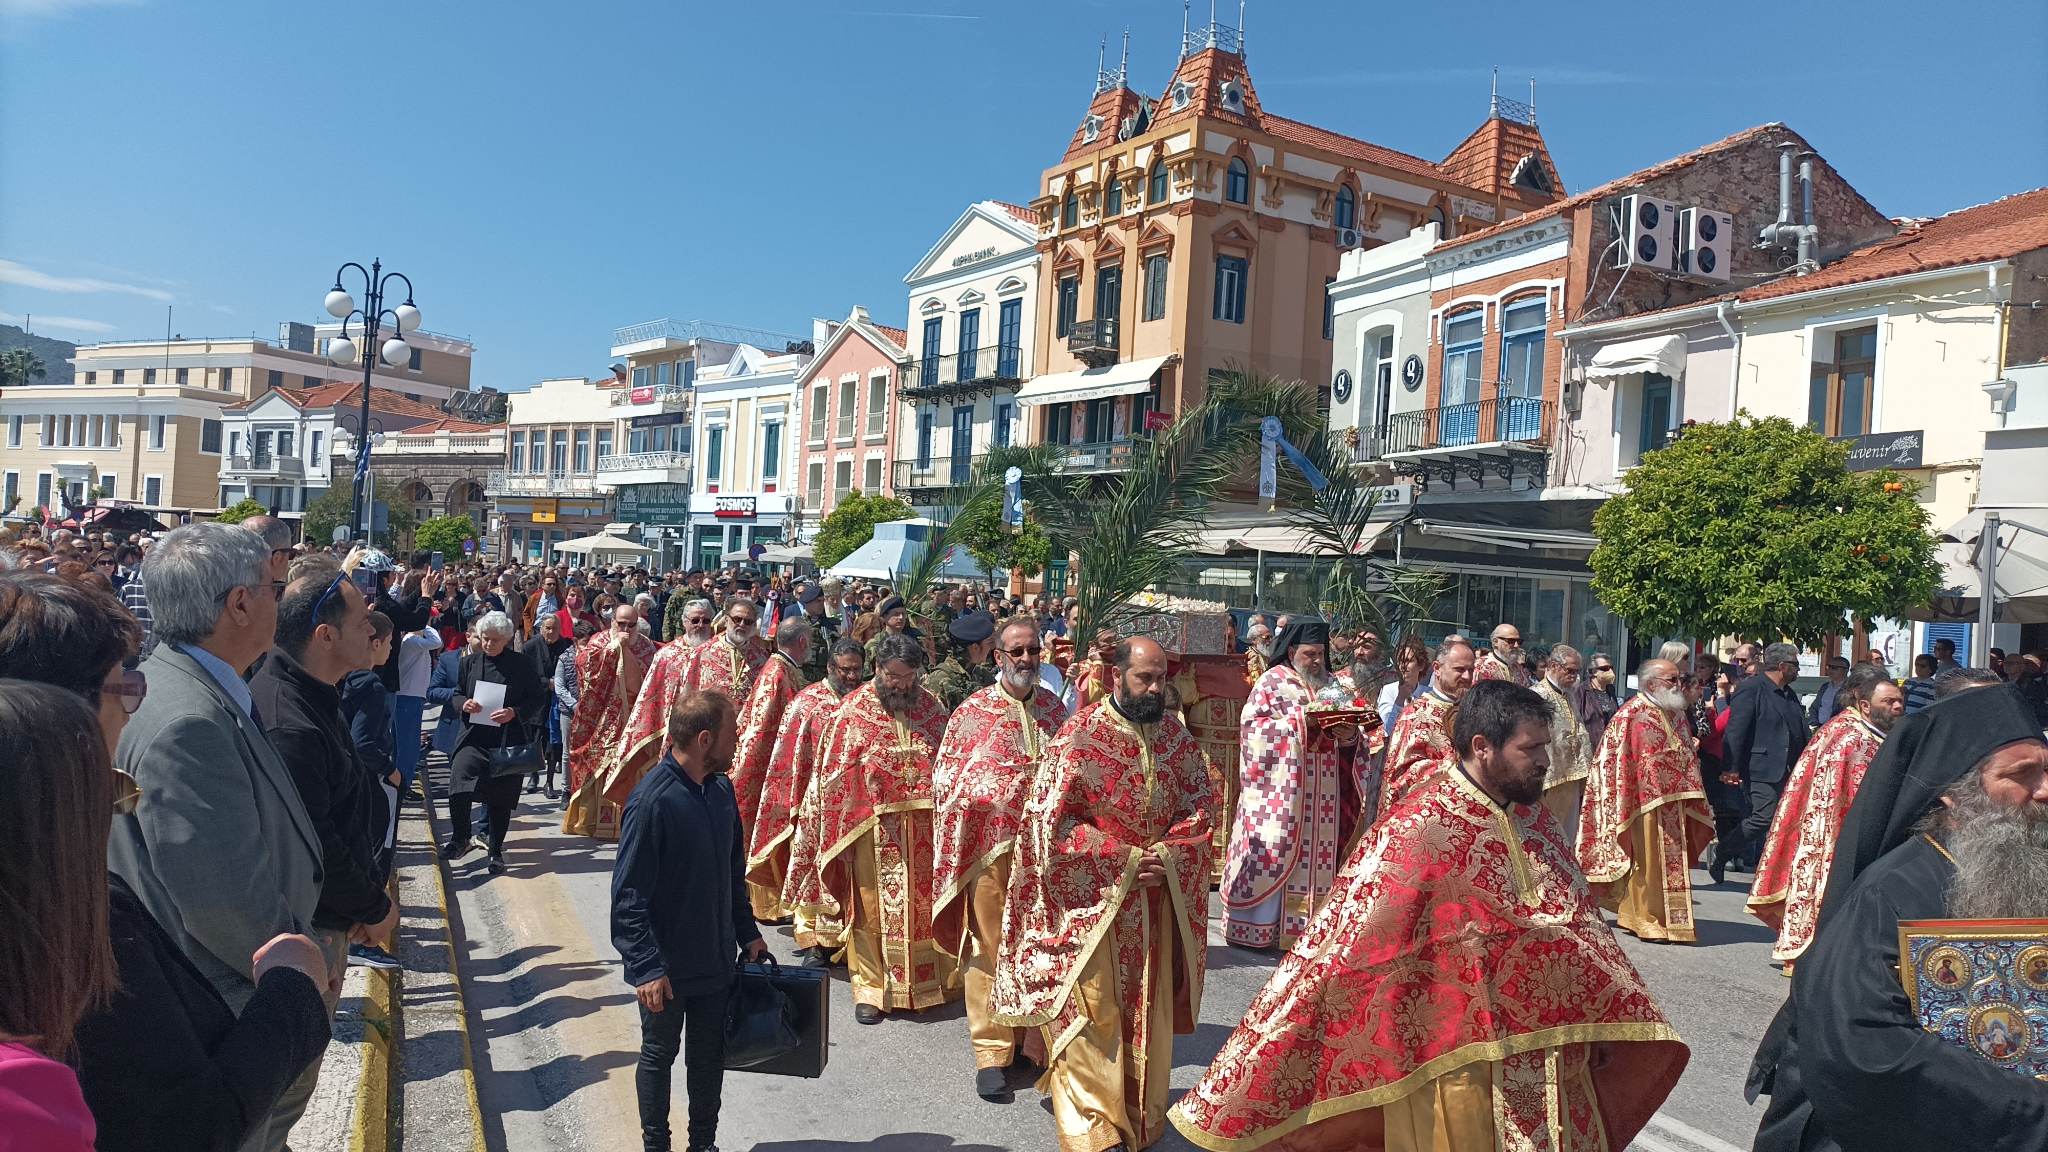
776	1021
516	759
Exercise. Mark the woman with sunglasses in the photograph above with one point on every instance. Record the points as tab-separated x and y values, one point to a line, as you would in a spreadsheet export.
161	1059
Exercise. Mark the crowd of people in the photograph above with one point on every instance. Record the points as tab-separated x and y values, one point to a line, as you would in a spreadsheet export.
210	737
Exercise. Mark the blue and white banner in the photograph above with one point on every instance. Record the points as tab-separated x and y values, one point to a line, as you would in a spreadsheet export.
1013	497
1271	443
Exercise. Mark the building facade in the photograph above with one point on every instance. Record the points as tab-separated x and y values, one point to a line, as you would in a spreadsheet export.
547	489
744	491
440	468
847	400
973	314
281	446
1198	234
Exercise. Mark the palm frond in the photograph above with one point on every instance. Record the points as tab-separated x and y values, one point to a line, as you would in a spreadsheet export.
981	494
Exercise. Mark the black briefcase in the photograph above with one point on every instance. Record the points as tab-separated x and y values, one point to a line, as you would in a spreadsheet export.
770	1004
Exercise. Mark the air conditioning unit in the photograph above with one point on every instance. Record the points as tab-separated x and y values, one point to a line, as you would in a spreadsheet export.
1349	238
1705	243
1649	233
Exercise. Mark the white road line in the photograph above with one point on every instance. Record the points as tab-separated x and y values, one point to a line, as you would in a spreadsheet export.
1665	1134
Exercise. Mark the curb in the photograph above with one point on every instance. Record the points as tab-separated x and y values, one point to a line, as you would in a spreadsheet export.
459	1015
375	1128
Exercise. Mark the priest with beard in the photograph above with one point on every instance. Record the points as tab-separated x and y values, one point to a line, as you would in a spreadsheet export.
1571	745
875	834
1646	818
1459	993
1422	738
1105	932
610	668
1297	799
783	846
727	663
761	724
1801	846
1951	822
986	763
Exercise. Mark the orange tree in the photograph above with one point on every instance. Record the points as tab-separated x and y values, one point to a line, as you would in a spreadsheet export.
1758	528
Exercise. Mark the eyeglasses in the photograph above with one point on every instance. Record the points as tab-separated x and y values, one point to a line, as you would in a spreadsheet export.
103	563
131	690
1603	667
127	793
322	602
623	625
1020	653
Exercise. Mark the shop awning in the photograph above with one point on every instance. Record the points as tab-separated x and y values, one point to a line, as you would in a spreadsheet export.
1505	537
1664	355
1127	379
2020	576
1284	539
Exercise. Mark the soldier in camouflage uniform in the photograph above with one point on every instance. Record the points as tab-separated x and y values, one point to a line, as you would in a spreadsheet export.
965	670
812	598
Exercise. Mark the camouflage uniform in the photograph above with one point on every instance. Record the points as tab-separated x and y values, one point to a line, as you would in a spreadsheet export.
951	682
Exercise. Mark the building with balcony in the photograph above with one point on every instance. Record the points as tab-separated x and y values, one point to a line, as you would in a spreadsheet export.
280	445
548	489
659	359
847	399
743	489
438	467
1197	233
973	312
439	367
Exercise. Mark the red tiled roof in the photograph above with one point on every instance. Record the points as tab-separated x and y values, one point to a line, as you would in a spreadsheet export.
1314	137
1996	231
339	393
1019	211
1595	195
901	337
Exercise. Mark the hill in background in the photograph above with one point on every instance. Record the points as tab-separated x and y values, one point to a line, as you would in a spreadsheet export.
55	354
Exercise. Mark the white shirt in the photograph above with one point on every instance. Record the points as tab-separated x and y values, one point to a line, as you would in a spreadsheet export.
416	663
1053	681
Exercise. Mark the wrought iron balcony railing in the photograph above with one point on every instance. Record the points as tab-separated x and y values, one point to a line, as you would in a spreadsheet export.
1100	455
644	462
1094	341
266	464
977	368
504	483
1501	420
934	472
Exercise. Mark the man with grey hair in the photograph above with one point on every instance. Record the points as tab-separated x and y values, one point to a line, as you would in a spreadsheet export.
1571	747
1766	733
1421	742
697	614
219	847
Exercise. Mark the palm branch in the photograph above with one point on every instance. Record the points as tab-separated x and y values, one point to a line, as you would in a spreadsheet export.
1387	597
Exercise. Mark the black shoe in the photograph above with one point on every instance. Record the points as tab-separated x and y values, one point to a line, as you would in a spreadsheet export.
817	958
412	793
550	792
866	1014
497	864
456	849
371	956
991	1084
1718	870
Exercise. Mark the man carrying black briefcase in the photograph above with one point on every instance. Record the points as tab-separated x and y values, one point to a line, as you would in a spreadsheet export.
679	910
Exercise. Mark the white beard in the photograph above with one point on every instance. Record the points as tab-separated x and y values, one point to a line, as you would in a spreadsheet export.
1671	700
1020	685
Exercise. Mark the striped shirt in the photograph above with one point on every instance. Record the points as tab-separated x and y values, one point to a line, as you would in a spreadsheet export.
1919	694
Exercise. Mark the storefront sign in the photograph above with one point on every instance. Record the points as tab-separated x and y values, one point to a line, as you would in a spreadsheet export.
1156	420
544	511
734	507
1884	450
1392	495
654	504
659	420
971	257
1411	373
643	395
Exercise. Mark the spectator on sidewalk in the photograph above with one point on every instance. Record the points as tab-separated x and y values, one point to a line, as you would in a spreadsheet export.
472	773
416	656
1920	685
679	911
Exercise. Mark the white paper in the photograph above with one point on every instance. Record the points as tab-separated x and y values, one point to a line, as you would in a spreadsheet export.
492	697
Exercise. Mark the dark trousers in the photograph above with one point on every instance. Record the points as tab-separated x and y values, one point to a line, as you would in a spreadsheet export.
1730	804
1763	806
499	796
695	1026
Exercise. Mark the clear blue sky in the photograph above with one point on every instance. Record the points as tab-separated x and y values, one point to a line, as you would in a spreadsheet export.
548	172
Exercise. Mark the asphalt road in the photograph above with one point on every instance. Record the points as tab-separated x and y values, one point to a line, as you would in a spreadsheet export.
556	1034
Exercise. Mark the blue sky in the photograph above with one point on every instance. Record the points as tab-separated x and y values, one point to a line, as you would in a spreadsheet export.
548	172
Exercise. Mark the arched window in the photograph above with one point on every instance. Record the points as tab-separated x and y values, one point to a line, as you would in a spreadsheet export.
1347	208
1113	196
1155	183
1070	212
1237	184
1443	226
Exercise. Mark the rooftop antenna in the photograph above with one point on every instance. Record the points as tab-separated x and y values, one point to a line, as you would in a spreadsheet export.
1532	101
1123	66
1184	29
1240	28
1101	49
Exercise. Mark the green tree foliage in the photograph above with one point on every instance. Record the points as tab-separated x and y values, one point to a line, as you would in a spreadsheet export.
241	510
978	525
1352	586
852	524
21	366
1757	528
331	511
444	534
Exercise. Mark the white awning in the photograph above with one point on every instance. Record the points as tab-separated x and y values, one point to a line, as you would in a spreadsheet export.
1280	538
1505	537
603	543
786	555
1126	379
2020	575
1664	355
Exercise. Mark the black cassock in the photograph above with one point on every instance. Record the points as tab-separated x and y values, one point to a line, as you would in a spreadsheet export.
1857	1073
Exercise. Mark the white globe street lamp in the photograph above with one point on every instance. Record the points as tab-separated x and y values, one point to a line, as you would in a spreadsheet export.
339	303
408	318
342	350
397	353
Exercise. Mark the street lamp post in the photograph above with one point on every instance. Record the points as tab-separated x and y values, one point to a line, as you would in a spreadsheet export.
395	352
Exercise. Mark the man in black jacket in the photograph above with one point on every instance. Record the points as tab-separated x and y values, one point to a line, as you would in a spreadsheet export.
680	909
409	609
1766	733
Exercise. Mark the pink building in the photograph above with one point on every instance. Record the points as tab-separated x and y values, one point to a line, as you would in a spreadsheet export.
847	397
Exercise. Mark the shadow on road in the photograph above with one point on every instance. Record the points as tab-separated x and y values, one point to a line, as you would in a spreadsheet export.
894	1142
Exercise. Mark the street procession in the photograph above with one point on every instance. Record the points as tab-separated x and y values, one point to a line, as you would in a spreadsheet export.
1413	629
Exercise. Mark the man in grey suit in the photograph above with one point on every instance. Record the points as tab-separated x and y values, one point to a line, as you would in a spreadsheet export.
219	847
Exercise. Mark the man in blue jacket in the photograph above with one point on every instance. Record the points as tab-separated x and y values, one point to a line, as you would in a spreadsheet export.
679	912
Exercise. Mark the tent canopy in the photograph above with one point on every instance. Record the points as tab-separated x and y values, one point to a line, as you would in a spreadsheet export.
895	547
1664	355
601	543
2020	576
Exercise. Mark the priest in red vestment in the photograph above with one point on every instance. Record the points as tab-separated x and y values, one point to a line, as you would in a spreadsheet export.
609	669
983	773
1105	934
875	834
1793	868
1571	742
1297	800
728	663
782	843
1646	819
1422	738
762	719
1504	659
1459	993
